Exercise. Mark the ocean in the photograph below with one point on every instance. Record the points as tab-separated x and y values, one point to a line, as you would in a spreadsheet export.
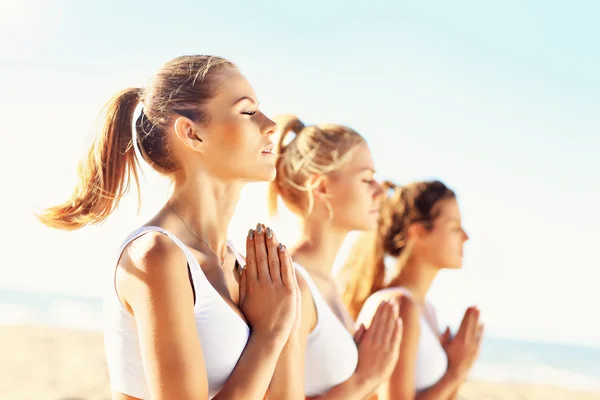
501	360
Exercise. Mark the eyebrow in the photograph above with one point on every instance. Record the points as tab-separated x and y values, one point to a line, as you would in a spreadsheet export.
368	169
245	98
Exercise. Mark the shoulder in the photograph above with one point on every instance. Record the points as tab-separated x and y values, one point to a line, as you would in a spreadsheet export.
152	265
150	251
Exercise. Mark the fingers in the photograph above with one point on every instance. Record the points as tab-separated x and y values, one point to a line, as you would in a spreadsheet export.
472	323
260	249
396	338
387	336
250	268
479	334
378	326
273	256
298	293
288	275
462	330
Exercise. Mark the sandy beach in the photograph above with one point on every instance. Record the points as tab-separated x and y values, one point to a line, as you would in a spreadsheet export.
42	363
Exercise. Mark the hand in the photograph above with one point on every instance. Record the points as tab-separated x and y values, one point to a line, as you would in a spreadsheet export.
379	345
463	349
268	287
359	334
446	337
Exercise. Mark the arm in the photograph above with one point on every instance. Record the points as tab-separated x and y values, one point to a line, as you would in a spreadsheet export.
153	282
288	379
290	367
378	350
402	382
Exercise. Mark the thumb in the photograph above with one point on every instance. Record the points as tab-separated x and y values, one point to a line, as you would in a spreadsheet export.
243	281
359	334
446	336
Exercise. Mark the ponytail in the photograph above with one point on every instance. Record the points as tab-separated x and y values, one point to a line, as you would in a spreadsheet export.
285	124
364	271
105	174
365	268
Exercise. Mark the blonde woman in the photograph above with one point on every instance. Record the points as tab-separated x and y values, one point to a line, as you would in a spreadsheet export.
325	176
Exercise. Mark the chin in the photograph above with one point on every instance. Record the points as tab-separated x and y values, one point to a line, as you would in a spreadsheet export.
457	265
262	174
366	226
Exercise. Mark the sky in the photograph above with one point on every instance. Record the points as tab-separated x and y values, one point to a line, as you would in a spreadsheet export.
497	99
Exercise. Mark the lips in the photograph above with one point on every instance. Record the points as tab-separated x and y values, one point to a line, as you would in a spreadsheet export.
269	149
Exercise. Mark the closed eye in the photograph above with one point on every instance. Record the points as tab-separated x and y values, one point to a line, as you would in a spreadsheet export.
249	112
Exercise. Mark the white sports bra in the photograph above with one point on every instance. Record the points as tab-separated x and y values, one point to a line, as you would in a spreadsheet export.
222	333
432	361
331	354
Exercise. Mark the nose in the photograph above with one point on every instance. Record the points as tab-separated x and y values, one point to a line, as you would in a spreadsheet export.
269	127
465	236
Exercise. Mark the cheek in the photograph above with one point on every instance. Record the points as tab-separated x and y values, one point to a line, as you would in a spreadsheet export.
232	134
352	199
451	247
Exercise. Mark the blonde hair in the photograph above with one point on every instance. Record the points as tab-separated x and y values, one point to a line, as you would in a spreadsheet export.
315	150
401	207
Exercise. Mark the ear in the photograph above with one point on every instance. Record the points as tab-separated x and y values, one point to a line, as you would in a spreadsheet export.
416	231
187	131
318	184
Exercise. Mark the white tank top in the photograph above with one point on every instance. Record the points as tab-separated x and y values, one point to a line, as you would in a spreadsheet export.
222	333
331	354
432	361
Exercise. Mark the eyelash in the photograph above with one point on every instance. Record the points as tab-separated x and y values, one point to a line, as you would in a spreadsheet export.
369	181
249	112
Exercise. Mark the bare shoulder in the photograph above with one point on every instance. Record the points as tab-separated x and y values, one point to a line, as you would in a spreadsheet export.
151	264
149	252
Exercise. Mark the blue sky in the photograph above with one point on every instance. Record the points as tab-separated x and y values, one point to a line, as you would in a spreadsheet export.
498	99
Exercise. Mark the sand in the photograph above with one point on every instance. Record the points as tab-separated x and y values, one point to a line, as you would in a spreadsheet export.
43	363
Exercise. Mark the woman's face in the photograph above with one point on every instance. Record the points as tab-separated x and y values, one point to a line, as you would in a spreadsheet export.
354	194
236	139
442	246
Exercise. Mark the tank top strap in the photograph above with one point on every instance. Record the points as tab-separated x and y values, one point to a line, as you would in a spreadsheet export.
198	276
320	303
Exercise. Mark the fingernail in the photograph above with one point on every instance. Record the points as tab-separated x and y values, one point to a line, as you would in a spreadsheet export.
280	247
251	234
269	233
259	229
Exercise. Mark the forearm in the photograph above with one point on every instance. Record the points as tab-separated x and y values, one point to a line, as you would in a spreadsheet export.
251	377
288	379
355	388
445	389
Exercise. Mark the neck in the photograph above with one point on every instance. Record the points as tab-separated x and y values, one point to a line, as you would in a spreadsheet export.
417	277
206	206
318	246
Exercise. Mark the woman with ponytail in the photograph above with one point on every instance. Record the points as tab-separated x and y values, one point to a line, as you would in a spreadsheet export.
420	232
325	176
184	320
